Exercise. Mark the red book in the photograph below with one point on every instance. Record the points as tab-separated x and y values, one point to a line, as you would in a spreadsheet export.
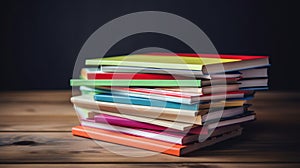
225	56
94	73
245	61
240	62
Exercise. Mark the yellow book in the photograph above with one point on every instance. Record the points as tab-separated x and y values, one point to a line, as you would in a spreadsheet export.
171	62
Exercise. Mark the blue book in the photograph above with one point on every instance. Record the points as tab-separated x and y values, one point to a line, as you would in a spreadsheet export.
255	88
144	102
244	98
152	102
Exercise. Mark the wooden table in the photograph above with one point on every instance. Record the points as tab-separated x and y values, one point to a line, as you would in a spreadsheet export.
35	132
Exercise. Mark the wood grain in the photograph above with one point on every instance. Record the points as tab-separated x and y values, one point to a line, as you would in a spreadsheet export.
35	128
169	165
54	147
37	111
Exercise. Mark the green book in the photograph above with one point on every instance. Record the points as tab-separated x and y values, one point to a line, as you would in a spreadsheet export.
140	83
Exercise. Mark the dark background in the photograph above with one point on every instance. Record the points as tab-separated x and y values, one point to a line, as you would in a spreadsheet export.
40	39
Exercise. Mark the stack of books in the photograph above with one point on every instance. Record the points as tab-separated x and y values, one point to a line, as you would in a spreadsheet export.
174	104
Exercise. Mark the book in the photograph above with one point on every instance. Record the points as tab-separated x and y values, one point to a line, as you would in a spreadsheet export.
201	62
225	122
176	122
245	61
172	137
125	122
159	124
149	144
171	123
197	94
88	102
174	96
245	117
254	73
226	113
254	88
201	55
253	83
204	90
95	73
146	111
159	61
144	102
84	113
178	72
147	124
215	132
150	124
163	104
148	83
223	130
159	94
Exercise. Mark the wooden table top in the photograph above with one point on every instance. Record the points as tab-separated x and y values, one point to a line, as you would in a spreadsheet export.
36	132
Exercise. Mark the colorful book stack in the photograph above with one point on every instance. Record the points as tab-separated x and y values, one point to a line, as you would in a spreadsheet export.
174	104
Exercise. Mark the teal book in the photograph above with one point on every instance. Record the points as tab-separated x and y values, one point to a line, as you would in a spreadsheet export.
144	102
104	97
139	83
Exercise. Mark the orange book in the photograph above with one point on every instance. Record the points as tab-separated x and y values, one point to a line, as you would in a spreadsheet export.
149	144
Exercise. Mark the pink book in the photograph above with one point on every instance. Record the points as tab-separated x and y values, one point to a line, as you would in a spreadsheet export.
124	122
173	137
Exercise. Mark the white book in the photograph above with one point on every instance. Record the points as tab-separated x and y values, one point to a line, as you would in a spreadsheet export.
177	138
